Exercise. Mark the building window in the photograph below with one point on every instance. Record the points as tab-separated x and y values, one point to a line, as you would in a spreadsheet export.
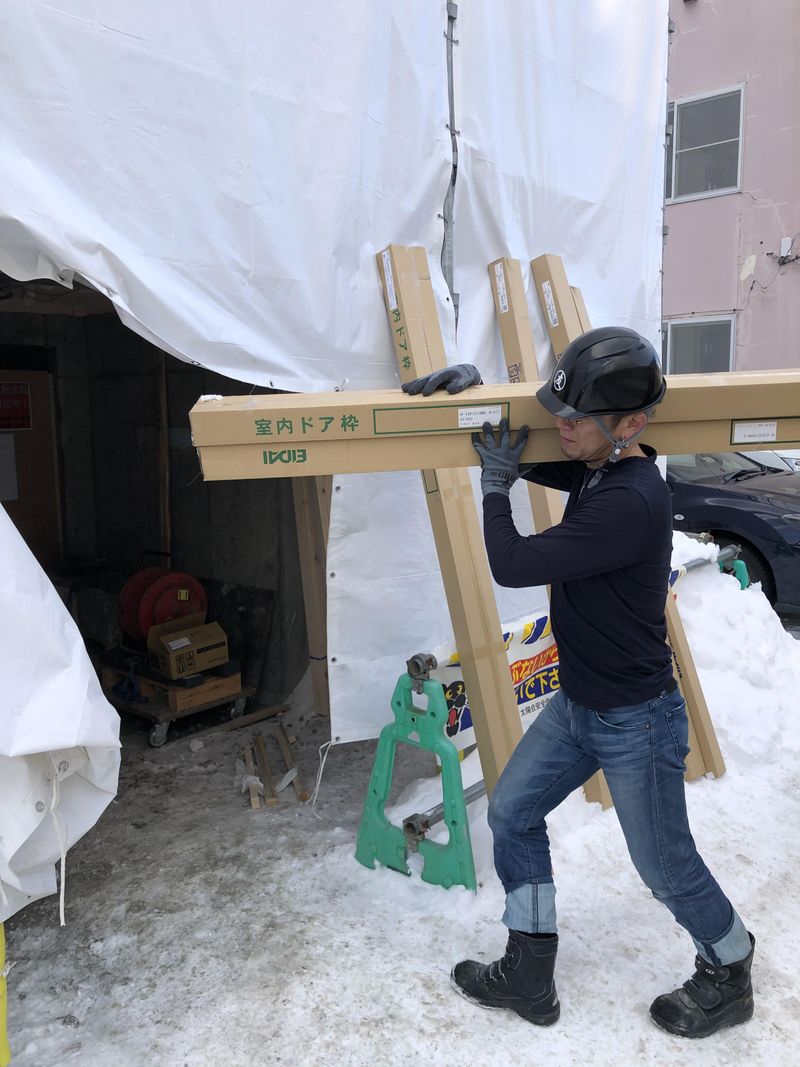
698	346
703	145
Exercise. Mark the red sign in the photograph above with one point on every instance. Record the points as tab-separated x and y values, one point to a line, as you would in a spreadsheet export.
15	406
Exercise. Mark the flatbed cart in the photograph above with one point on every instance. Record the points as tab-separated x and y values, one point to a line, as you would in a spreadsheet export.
142	693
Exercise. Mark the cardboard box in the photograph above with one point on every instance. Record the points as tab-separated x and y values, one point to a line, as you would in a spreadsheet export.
558	304
346	433
181	647
411	310
513	319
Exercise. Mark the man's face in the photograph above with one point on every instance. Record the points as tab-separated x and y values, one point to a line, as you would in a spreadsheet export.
583	439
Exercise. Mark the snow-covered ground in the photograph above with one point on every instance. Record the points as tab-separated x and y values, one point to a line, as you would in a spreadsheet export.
203	934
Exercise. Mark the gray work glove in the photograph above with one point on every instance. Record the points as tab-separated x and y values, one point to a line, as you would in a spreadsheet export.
499	462
456	378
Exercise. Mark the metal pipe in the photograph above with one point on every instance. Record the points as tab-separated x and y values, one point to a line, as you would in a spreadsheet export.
416	826
730	552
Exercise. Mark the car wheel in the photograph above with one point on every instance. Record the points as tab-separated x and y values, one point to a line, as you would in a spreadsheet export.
757	567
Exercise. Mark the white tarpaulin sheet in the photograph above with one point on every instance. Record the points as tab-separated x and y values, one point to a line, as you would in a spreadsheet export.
59	737
226	173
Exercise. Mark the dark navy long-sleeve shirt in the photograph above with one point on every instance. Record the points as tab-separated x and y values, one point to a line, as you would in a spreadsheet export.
608	564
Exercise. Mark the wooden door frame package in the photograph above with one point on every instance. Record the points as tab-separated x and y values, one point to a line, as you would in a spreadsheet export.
407	290
704	755
294	435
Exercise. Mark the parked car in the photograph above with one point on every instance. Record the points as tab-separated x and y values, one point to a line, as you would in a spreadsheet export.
749	501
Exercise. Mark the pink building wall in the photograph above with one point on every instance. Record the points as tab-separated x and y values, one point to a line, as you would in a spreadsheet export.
717	247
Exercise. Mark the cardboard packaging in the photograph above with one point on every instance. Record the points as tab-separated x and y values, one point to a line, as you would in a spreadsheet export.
187	646
411	308
513	320
558	304
292	435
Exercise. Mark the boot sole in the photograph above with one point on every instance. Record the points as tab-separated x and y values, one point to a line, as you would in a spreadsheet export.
524	1012
744	1017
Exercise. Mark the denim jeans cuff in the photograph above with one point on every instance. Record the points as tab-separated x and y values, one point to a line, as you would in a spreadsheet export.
732	947
531	908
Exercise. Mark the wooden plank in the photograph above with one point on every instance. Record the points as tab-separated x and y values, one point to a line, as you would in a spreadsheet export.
213	691
243	720
312	549
288	759
255	801
324	485
419	349
265	774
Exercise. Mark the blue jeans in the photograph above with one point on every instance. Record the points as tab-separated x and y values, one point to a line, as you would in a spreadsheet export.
641	749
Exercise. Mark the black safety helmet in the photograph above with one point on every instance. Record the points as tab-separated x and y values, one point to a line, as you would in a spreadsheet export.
608	371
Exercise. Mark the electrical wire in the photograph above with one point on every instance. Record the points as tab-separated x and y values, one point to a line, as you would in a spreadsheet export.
324	749
755	282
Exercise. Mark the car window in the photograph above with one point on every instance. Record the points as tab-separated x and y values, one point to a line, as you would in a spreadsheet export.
773	460
699	466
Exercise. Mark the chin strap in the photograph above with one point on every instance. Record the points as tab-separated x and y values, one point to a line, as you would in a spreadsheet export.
618	444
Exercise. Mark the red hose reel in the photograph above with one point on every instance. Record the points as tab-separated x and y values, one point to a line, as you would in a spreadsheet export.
154	595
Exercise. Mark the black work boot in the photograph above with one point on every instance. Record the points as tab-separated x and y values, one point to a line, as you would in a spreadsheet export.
521	981
714	997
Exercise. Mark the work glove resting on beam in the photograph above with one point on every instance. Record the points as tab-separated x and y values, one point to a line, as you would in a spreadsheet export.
455	379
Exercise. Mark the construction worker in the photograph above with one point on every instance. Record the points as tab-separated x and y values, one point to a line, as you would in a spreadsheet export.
618	707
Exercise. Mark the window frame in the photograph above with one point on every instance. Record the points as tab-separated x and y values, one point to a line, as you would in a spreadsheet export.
672	143
699	320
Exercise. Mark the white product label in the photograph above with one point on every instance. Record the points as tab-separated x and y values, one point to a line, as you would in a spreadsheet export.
179	642
502	298
474	418
549	302
744	432
387	270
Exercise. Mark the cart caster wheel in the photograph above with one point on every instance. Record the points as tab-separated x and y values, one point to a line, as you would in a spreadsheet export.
237	707
158	735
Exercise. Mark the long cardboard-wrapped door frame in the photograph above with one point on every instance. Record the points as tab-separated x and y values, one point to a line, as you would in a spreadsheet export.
566	318
290	435
311	521
419	348
511	307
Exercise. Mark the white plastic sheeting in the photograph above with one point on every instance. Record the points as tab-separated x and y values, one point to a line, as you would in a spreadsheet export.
59	737
226	173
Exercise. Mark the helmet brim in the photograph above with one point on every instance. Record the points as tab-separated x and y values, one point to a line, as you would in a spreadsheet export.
560	410
555	406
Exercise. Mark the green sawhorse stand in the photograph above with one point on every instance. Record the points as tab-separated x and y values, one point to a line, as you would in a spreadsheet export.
446	864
